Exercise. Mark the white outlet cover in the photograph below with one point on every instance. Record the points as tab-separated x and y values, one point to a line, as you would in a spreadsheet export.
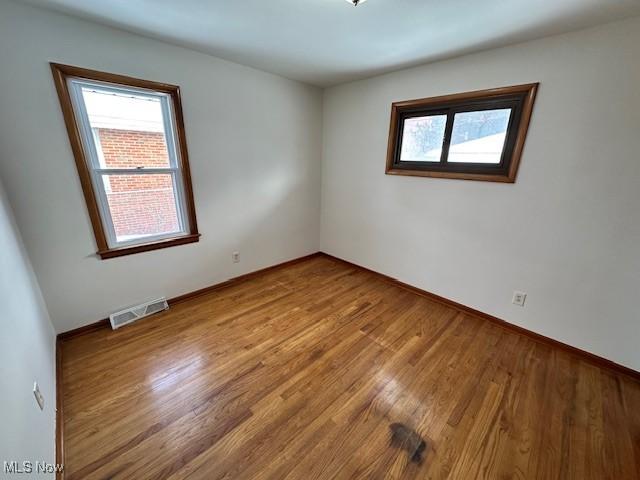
38	395
519	298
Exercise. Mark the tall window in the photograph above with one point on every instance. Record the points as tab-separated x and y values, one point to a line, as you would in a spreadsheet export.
127	136
473	136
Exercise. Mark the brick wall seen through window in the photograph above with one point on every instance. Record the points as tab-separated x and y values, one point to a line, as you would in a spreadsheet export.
138	203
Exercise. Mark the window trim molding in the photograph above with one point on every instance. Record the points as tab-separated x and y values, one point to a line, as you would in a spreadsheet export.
398	109
61	73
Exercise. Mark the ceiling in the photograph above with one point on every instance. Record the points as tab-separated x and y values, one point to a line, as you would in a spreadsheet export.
326	42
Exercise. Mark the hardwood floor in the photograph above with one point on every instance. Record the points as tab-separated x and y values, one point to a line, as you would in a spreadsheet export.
322	370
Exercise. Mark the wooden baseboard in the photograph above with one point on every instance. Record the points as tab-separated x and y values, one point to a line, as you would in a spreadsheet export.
241	278
588	356
92	327
59	412
583	354
104	323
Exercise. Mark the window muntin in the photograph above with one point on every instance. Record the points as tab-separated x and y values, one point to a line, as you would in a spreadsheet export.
482	137
128	140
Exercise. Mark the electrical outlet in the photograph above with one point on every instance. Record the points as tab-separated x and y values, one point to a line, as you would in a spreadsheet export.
38	395
236	257
519	298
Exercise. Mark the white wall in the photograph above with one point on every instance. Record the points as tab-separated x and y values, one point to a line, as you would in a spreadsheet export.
254	143
567	232
27	354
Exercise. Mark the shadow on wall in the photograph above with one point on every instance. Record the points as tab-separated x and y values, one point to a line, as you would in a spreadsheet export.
27	352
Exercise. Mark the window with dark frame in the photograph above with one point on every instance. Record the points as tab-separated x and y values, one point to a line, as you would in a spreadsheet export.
128	140
473	136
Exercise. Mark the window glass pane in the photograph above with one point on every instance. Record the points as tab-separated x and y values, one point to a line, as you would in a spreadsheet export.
128	129
478	137
422	138
141	205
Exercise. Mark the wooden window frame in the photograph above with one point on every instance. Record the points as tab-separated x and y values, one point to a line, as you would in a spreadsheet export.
61	75
520	98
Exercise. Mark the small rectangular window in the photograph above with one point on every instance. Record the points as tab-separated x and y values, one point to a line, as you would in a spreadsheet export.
472	136
127	136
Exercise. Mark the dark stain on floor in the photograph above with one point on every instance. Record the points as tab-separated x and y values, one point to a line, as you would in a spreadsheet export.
409	440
